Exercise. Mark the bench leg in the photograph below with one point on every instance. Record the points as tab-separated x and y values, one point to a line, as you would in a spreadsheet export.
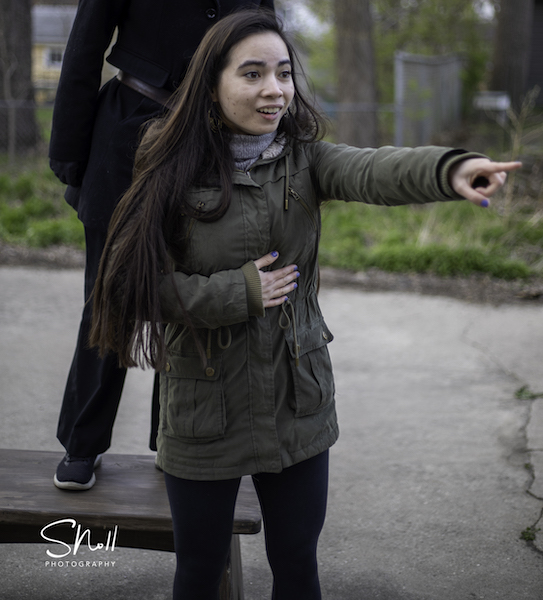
232	578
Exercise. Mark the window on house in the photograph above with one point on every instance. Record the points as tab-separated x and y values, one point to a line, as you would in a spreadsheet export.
54	57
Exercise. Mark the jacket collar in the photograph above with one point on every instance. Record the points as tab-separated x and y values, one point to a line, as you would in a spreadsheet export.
275	149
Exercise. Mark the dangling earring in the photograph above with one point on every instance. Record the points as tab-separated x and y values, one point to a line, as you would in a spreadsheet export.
215	121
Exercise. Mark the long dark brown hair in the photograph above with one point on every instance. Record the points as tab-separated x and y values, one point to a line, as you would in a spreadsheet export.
176	152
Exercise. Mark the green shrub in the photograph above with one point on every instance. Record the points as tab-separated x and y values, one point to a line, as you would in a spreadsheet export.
14	220
5	185
42	234
444	238
445	261
23	186
32	207
532	234
38	208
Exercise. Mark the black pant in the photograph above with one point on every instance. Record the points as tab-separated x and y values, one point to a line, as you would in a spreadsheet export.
293	506
94	386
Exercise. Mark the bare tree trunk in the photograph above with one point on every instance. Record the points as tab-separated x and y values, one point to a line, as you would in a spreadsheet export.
512	49
357	93
18	128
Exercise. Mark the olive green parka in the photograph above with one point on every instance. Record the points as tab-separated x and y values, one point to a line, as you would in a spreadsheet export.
264	399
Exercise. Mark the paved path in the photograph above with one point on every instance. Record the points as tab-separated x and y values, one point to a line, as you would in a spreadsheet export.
438	470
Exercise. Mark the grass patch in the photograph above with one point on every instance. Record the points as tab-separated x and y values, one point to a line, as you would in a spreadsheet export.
33	211
44	117
529	534
447	239
525	393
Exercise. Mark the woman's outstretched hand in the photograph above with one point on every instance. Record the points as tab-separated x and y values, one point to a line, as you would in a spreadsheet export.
478	178
276	284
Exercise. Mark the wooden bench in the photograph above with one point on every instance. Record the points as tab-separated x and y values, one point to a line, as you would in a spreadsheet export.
127	507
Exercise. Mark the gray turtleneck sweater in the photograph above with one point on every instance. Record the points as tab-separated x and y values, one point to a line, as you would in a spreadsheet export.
246	149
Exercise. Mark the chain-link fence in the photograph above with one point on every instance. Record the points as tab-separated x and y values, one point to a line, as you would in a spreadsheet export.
18	126
427	97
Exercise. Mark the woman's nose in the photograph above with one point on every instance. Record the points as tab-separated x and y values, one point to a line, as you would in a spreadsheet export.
272	87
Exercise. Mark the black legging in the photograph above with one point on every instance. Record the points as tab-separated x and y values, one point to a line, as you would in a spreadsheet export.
293	508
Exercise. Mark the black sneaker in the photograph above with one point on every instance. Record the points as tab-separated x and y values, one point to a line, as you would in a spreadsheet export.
75	473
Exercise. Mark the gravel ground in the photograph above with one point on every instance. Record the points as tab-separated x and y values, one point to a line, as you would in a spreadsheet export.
475	288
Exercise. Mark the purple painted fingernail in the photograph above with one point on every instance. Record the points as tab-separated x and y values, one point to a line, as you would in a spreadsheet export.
295	285
275	253
484	203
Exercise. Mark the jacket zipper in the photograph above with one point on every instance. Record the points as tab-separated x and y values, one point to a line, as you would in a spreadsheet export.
297	197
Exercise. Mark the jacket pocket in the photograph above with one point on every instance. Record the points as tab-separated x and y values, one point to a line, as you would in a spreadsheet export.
192	400
313	377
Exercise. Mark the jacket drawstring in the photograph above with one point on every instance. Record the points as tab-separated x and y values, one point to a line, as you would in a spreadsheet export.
208	349
224	345
209	370
287	181
286	324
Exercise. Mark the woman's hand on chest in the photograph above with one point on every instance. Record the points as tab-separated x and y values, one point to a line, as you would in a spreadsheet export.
276	284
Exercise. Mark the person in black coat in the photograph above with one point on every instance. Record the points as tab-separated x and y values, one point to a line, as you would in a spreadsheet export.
93	141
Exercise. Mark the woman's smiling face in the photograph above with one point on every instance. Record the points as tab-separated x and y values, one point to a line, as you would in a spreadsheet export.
255	88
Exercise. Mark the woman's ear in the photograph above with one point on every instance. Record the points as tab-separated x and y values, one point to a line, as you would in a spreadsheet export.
214	96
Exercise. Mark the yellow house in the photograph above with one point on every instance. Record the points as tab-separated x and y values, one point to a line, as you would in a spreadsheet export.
51	26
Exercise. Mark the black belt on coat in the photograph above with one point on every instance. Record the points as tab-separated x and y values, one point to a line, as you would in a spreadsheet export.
159	95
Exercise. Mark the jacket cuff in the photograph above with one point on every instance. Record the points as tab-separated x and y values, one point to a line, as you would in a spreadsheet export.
69	172
444	167
255	305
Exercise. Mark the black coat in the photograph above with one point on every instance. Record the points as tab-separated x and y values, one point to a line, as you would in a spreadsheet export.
95	132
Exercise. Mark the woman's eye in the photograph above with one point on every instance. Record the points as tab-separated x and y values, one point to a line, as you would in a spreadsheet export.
285	75
251	75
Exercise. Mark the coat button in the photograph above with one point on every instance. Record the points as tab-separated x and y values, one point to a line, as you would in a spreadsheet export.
211	13
210	371
325	335
167	367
